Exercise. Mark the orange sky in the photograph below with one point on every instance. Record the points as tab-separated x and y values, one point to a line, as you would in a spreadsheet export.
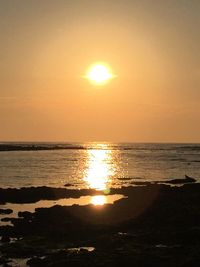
152	46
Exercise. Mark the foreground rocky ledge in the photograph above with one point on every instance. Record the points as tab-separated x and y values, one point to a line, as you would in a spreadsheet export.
34	194
157	225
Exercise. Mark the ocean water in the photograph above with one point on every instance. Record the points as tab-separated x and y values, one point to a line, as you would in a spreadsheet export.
95	165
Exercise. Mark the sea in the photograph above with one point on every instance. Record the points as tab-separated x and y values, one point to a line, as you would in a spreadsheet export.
95	165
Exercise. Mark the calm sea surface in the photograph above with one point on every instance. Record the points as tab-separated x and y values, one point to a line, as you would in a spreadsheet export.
95	165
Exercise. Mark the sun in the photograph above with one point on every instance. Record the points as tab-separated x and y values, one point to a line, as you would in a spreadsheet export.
99	74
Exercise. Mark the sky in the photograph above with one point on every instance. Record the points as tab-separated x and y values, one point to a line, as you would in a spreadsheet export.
151	46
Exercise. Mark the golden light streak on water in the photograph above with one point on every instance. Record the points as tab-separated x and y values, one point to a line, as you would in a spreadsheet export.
99	169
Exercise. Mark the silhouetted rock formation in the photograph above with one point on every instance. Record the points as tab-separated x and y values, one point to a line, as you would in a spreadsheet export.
182	181
157	225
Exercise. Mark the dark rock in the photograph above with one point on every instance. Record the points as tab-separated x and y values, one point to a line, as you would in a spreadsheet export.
35	261
6	219
182	181
3	261
157	225
37	147
25	214
67	185
34	194
5	239
6	211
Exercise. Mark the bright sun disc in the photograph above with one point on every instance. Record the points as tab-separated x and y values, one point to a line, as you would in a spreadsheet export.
99	74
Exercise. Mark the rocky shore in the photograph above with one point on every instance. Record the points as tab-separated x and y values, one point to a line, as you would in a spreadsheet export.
155	225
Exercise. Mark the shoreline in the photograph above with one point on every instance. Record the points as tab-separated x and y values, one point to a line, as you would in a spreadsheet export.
156	224
34	194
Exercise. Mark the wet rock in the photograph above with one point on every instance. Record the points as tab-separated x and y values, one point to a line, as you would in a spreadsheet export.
35	261
6	211
34	194
6	219
141	230
182	181
3	261
5	239
67	185
25	214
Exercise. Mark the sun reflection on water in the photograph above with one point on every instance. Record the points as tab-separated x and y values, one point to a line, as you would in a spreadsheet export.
98	200
99	169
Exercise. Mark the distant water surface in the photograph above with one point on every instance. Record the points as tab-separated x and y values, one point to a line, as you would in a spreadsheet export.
95	165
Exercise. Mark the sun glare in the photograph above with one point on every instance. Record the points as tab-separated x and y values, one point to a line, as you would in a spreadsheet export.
99	170
98	200
99	74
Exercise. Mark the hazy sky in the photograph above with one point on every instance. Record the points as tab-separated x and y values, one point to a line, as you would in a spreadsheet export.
152	46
